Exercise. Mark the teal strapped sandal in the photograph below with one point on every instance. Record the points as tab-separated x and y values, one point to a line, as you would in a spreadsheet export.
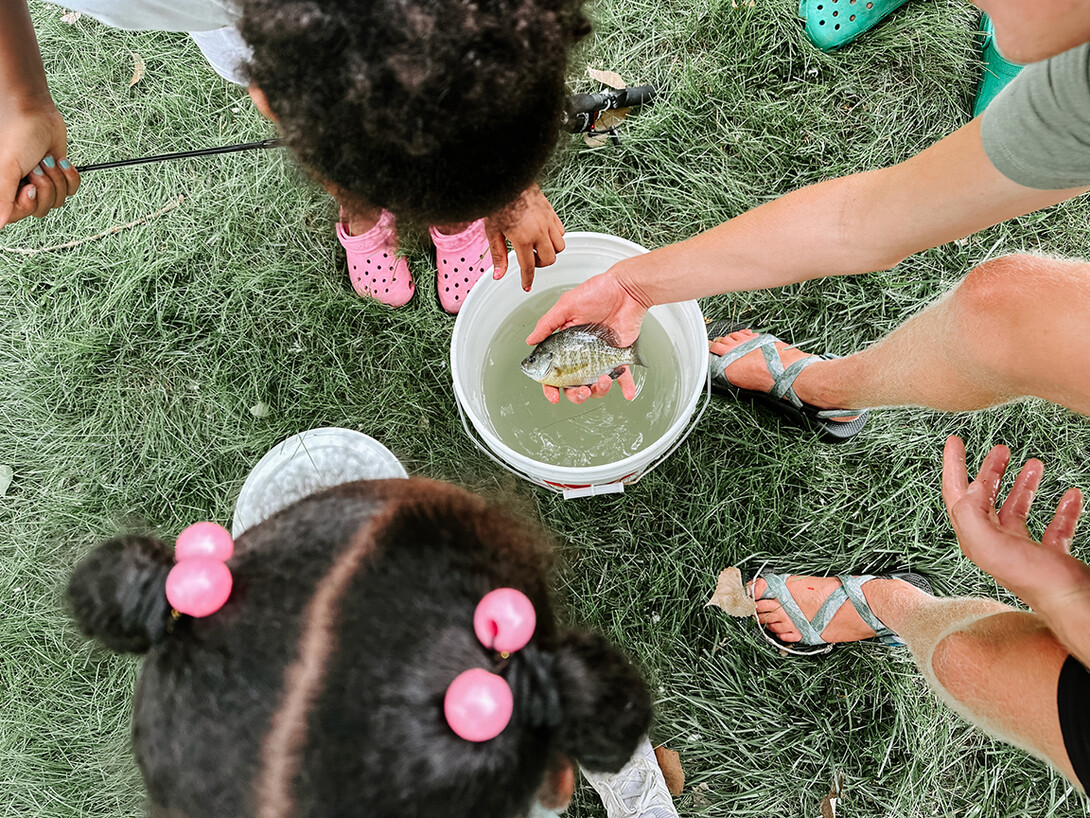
850	590
997	70
833	425
834	23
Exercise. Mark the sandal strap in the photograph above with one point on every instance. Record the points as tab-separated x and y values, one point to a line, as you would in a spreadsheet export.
850	590
853	587
777	589
783	379
721	362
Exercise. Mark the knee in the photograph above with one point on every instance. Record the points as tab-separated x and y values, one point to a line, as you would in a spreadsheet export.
1013	287
1001	306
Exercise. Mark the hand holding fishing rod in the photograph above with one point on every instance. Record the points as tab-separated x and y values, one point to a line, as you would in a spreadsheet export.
65	176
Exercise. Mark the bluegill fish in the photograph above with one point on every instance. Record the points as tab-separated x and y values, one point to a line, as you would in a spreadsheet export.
579	356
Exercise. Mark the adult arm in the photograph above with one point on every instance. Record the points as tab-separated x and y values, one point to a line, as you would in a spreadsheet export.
1042	574
33	141
845	226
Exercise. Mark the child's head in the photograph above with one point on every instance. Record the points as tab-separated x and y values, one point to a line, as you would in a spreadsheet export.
438	110
318	688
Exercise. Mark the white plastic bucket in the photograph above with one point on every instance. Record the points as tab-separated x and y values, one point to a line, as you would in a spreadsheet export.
485	310
309	462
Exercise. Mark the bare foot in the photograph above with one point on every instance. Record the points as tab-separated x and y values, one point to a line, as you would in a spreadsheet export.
751	371
884	596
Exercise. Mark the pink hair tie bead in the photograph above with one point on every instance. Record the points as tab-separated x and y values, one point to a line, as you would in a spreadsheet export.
200	581
504	620
204	540
478	705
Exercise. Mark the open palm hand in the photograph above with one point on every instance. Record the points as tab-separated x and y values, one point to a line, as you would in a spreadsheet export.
1043	574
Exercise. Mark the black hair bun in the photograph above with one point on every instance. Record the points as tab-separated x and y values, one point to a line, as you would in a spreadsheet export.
118	593
606	705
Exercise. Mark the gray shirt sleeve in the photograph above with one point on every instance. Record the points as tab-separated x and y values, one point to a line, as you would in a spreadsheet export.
1037	131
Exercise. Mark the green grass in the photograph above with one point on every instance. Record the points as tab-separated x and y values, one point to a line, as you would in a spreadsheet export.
130	364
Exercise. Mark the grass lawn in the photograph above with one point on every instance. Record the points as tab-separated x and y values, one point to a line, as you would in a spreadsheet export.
131	362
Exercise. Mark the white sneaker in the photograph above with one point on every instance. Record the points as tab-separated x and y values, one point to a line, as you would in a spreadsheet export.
638	790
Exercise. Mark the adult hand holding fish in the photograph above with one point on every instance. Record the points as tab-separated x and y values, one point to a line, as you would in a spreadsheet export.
599	300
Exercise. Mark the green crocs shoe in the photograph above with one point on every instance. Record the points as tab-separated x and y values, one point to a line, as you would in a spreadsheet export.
997	71
833	23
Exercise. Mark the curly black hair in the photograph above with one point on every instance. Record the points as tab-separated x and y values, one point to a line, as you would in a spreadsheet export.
441	111
318	688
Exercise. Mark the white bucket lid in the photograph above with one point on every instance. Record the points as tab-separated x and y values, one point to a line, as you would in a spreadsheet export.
309	462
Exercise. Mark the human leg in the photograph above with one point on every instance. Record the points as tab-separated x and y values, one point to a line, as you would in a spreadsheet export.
995	666
1015	326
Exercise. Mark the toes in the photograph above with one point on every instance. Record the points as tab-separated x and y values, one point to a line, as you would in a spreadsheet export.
776	621
768	605
784	630
725	343
756	588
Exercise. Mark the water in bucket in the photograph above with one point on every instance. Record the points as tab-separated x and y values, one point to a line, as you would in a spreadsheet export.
600	431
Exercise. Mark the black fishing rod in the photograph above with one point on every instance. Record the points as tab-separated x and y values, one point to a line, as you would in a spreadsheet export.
274	142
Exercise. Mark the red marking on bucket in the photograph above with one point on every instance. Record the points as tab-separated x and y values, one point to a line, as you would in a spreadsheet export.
565	486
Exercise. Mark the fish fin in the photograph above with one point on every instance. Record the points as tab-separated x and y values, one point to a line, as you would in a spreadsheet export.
616	373
637	359
602	331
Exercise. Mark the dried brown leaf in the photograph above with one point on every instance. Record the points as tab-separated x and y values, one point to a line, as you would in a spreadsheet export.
830	801
670	764
610	78
611	119
139	69
700	794
595	141
71	17
730	594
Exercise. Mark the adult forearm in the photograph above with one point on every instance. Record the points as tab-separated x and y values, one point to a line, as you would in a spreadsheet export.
854	224
22	77
810	233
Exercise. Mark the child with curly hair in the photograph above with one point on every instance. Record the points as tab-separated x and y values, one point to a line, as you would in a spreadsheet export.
397	108
357	660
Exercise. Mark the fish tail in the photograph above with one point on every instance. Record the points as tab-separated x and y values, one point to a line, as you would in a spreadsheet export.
637	359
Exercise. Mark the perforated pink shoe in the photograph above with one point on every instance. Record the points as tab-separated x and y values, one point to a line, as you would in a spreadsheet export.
374	267
462	259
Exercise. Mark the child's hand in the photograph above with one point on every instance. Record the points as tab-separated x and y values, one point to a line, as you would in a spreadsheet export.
534	230
1043	574
33	145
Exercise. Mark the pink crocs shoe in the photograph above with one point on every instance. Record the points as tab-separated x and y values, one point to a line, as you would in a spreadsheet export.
375	268
462	259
